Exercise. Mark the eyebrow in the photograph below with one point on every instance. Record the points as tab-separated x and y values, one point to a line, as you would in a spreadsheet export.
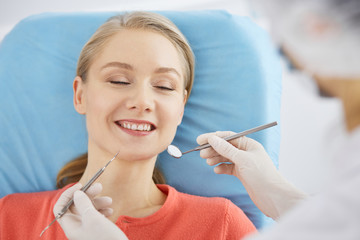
129	67
167	70
118	65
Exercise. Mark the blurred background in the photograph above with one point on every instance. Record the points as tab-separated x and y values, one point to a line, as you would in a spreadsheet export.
310	125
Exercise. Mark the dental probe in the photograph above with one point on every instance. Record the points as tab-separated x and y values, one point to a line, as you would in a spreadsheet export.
175	152
84	188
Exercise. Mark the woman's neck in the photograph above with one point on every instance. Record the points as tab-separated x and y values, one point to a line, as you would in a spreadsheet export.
351	103
128	183
348	90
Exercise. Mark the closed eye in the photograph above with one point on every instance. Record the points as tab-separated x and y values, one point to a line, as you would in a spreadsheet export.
119	82
165	88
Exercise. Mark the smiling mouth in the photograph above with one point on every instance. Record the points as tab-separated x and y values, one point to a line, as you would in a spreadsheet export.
143	127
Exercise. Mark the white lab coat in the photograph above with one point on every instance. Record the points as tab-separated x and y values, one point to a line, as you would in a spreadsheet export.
333	214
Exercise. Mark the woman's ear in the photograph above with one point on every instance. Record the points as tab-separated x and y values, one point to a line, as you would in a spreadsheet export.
79	97
185	96
183	109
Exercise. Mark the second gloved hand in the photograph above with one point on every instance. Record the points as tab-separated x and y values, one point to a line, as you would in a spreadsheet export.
246	159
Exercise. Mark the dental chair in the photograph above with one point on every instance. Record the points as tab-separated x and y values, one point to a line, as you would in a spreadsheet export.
237	86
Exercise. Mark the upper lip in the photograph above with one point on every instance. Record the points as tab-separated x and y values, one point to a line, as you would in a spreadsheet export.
136	121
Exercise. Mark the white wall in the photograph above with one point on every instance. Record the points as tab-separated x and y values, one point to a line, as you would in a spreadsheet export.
12	11
305	121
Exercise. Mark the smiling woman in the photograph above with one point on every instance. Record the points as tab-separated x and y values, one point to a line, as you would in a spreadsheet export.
134	77
117	79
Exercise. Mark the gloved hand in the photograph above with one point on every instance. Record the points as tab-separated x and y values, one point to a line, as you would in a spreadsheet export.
86	219
247	160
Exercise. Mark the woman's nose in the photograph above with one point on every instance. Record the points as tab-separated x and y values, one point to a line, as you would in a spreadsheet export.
140	99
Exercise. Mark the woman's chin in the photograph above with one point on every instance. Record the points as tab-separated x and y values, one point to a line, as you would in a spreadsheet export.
137	156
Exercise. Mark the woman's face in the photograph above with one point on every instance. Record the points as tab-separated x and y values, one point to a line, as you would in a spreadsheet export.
134	95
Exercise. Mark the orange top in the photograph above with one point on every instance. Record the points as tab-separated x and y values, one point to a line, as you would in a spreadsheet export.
183	216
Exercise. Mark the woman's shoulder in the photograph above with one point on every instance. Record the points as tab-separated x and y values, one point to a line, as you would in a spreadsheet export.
28	203
213	211
214	205
31	211
27	198
197	200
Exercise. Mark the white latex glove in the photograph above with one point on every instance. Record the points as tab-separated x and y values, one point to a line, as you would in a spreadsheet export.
86	219
247	160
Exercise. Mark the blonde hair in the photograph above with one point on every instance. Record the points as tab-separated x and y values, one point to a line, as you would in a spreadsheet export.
149	21
74	169
138	20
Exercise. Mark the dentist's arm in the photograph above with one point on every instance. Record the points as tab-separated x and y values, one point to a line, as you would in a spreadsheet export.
249	162
87	218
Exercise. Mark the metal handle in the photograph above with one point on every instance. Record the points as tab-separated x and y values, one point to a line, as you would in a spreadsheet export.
232	137
84	188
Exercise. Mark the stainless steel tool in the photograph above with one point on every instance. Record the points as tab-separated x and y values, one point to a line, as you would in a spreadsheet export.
84	188
176	153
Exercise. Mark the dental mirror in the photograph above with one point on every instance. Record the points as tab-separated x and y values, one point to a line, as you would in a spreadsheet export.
175	152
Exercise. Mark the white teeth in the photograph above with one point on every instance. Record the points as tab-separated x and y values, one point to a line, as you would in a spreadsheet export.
135	127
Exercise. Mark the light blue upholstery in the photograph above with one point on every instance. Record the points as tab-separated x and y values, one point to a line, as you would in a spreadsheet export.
237	86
